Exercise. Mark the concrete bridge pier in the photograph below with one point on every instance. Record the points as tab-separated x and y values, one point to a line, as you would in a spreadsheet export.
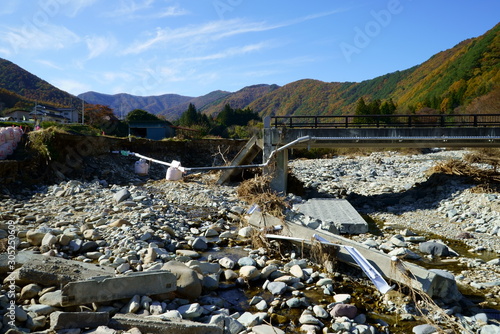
278	139
277	168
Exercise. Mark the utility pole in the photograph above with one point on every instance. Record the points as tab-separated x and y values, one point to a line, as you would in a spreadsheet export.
83	111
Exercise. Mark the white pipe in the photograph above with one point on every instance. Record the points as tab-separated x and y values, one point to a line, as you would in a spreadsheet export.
435	138
303	139
300	140
187	169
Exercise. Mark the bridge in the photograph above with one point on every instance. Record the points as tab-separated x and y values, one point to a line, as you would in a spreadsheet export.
378	131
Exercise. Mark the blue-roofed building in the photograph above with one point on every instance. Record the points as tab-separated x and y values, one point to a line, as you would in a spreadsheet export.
155	130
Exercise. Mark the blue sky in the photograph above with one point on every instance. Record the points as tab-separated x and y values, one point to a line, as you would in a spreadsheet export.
193	47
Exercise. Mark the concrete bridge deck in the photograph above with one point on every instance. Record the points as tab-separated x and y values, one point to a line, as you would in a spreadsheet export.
281	133
419	131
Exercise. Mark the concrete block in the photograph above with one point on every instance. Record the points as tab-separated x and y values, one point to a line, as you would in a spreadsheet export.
158	326
103	289
337	212
65	320
47	271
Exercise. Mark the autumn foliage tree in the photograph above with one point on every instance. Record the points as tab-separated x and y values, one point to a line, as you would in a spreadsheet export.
96	114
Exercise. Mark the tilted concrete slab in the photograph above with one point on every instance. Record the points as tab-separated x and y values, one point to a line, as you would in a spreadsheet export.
102	289
337	212
159	326
244	157
48	271
433	282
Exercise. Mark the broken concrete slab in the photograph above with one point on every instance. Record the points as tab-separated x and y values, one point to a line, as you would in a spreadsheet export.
244	157
48	271
66	320
159	326
432	282
102	289
336	215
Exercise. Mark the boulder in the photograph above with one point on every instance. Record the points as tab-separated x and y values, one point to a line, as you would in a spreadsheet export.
435	249
344	310
189	284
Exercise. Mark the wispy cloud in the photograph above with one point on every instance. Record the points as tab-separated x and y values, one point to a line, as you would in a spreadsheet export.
129	7
98	45
50	64
133	9
8	7
73	7
73	86
212	31
230	52
172	11
110	77
5	52
195	33
48	37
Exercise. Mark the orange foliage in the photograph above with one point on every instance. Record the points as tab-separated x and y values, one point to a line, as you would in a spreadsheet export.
96	114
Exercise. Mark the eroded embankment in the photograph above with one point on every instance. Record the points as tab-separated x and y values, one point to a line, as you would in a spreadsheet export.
50	157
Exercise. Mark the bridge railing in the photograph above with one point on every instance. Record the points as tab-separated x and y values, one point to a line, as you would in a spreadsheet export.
381	121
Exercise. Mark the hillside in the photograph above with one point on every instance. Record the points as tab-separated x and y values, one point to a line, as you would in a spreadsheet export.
174	112
172	106
18	86
239	99
465	78
123	103
448	80
461	77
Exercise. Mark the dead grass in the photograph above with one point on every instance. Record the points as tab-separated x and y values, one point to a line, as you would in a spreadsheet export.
324	255
426	307
489	156
487	180
258	191
40	141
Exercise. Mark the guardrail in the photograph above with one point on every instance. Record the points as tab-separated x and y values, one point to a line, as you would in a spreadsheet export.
381	121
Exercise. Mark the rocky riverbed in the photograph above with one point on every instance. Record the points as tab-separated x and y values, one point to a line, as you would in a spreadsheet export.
198	231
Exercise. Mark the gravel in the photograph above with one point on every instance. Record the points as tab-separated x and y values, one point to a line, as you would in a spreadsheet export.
399	192
197	230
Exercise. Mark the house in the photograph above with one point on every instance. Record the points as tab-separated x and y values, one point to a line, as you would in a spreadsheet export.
19	115
71	114
155	130
44	113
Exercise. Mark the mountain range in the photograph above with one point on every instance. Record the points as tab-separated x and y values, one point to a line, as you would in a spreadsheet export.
465	78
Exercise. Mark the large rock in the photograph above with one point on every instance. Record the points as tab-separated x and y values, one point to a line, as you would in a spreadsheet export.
424	329
266	329
249	273
435	249
121	195
344	310
30	291
446	288
189	284
277	288
35	237
53	298
490	329
227	263
190	311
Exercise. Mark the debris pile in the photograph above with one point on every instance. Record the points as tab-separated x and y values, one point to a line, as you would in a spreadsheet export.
82	247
